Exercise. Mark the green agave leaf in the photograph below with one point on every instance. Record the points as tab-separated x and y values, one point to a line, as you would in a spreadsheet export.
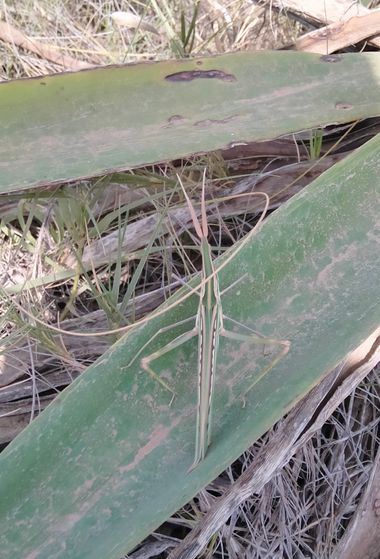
81	124
107	462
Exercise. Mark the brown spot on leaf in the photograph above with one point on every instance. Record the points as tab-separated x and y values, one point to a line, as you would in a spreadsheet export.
343	106
210	121
190	75
157	437
331	58
175	119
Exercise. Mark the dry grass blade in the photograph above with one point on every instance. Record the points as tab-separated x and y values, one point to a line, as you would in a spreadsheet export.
12	35
363	537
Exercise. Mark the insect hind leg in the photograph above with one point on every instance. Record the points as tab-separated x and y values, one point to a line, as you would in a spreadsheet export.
257	338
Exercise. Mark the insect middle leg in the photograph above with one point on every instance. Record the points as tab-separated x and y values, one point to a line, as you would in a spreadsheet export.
178	341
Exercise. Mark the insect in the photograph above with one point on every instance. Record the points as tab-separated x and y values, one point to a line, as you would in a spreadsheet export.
209	327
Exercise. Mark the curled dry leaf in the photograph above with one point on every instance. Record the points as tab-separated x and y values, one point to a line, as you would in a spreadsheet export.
132	21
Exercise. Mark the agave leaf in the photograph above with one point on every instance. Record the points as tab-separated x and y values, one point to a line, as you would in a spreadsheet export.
107	462
73	125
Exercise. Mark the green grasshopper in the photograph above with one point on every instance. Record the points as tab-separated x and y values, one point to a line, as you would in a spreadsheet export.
208	327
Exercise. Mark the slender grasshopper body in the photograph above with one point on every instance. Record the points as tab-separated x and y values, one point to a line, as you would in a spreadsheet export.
209	326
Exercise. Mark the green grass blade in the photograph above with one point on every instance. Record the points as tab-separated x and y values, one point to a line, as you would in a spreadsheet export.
107	462
87	123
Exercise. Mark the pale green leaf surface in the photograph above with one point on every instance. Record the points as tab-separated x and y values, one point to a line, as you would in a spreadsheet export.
107	462
73	125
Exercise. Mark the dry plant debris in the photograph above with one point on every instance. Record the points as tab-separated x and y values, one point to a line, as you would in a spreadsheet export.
304	508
